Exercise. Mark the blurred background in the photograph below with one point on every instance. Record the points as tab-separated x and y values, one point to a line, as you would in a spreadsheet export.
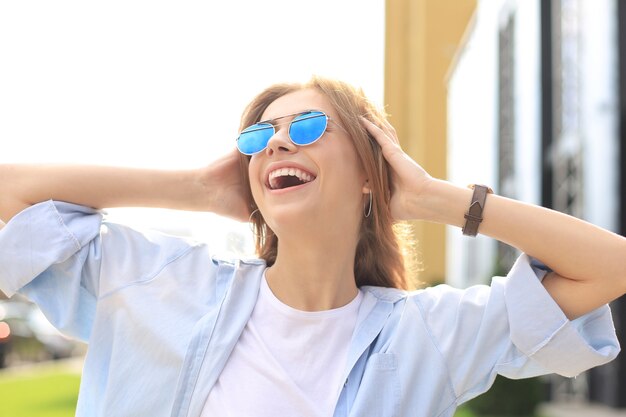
526	96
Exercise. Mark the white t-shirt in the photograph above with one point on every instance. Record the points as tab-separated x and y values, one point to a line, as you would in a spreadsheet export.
287	362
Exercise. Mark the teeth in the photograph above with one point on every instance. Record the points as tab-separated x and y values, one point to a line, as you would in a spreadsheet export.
294	172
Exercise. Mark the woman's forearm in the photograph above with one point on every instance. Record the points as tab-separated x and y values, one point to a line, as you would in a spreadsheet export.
589	262
99	187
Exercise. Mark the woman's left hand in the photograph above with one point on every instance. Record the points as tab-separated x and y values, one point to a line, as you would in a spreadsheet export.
409	180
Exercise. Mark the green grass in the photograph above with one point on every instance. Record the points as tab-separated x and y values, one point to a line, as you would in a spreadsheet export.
465	412
52	391
47	393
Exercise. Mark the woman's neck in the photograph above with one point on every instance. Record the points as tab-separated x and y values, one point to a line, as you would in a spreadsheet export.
314	275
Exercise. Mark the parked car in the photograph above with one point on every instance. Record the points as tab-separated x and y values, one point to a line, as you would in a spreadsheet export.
27	336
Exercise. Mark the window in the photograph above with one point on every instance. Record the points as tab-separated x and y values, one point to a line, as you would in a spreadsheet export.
505	254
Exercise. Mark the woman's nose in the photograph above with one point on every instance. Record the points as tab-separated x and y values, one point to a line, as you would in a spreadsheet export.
280	142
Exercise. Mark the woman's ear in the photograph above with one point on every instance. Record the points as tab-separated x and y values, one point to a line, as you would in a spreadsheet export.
366	187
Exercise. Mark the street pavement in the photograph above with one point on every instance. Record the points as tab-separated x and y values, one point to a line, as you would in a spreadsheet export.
578	410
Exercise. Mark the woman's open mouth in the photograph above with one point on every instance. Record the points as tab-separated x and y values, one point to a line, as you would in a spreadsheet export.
288	177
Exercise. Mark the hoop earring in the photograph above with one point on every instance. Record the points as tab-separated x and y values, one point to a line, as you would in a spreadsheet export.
369	208
251	223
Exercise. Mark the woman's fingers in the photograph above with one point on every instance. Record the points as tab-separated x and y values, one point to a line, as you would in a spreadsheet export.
386	138
226	187
391	131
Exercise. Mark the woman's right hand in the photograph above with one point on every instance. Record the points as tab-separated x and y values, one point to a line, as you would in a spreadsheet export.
226	191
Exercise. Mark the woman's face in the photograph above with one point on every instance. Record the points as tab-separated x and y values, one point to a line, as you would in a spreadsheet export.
331	182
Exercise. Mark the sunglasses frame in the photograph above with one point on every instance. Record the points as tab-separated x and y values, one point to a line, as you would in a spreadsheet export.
271	123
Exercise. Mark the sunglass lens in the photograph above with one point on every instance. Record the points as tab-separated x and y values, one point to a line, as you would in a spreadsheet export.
308	127
254	139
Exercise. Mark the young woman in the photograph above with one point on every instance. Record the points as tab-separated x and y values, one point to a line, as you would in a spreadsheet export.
321	324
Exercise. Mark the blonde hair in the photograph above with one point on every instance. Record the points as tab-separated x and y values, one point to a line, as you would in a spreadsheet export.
384	250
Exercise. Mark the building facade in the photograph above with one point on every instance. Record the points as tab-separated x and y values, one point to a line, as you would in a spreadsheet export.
535	109
421	37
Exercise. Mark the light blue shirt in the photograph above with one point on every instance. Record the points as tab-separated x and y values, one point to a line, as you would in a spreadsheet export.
161	316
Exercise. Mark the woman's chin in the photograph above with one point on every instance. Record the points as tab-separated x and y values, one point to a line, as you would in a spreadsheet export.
292	218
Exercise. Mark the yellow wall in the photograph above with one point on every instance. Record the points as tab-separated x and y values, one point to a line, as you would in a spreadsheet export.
421	39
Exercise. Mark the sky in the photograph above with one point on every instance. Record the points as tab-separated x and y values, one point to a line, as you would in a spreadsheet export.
163	83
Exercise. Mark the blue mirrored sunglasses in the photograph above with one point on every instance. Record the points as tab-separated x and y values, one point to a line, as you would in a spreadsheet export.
304	129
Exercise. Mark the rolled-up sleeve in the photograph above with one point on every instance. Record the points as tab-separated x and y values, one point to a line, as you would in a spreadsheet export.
67	258
47	254
41	236
543	333
512	328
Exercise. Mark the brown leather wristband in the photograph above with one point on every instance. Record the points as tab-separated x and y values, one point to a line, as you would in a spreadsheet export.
474	215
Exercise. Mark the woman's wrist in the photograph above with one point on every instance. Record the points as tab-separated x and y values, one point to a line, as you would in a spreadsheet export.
441	202
202	190
180	190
